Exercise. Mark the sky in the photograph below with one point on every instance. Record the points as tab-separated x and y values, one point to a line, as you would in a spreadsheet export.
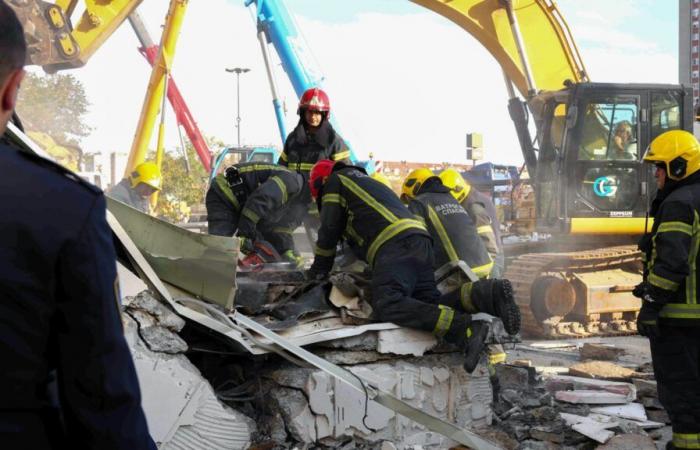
404	82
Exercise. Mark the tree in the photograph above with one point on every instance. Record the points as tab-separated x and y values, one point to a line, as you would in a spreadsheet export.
182	190
55	105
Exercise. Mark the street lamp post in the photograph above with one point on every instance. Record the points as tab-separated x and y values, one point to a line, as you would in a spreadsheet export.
238	71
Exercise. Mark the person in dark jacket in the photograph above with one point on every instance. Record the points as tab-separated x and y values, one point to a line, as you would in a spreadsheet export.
398	249
483	212
59	312
259	201
455	239
314	138
670	314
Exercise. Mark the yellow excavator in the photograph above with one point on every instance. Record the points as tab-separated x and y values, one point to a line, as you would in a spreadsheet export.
592	190
584	161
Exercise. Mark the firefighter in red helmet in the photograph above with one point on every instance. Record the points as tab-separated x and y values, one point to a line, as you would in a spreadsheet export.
314	138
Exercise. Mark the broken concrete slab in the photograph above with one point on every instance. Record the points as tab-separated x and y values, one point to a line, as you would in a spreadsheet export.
600	352
605	422
633	411
651	402
514	377
629	442
603	370
436	384
181	407
658	415
404	341
593	431
548	434
566	382
590	397
645	388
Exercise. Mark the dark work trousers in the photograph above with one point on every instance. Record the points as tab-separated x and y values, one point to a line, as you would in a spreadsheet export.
676	358
403	284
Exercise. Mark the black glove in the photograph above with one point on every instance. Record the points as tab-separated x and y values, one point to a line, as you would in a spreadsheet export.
640	290
246	229
648	318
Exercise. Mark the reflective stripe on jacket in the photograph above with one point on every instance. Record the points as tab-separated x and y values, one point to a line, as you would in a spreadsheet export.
454	235
362	211
671	252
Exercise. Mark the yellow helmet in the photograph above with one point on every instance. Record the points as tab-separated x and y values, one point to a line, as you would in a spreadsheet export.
382	179
678	151
454	181
414	181
147	173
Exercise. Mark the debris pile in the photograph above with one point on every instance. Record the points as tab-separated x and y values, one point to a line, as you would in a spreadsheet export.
181	407
599	405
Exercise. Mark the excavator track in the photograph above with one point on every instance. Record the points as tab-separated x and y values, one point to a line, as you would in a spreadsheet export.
527	273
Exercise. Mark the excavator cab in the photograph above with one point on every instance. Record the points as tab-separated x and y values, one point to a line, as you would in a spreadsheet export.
589	174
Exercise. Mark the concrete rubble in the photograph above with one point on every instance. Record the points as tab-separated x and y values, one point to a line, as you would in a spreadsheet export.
540	410
181	407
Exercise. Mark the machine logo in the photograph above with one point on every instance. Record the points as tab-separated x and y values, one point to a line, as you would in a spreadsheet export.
605	186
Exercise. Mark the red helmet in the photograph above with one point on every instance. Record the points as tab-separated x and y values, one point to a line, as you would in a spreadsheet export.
319	173
315	99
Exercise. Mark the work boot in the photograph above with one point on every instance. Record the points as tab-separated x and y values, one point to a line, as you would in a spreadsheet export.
469	336
494	297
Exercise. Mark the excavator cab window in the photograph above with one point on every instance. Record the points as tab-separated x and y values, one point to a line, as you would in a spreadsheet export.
605	173
665	112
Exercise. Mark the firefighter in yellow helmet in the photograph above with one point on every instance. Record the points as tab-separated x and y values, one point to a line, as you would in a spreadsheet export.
670	314
136	189
482	211
455	239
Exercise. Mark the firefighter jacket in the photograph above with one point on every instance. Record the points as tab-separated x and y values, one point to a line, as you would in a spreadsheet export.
483	212
454	234
302	150
362	211
671	251
266	193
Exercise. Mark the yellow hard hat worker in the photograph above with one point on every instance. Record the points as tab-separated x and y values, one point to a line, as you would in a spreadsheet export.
146	173
382	179
678	151
454	181
413	182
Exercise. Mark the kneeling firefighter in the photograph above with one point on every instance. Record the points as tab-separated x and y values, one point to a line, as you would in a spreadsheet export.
398	249
261	203
670	314
456	239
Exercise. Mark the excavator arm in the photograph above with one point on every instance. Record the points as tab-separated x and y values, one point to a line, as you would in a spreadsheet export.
56	41
550	54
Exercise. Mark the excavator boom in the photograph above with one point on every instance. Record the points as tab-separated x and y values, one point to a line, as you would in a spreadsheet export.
552	53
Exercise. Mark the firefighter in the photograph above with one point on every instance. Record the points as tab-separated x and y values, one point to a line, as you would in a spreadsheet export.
137	188
670	314
260	201
483	212
314	138
382	179
455	239
60	300
398	249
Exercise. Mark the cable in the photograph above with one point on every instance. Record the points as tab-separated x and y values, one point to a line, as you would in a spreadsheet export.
364	388
143	339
